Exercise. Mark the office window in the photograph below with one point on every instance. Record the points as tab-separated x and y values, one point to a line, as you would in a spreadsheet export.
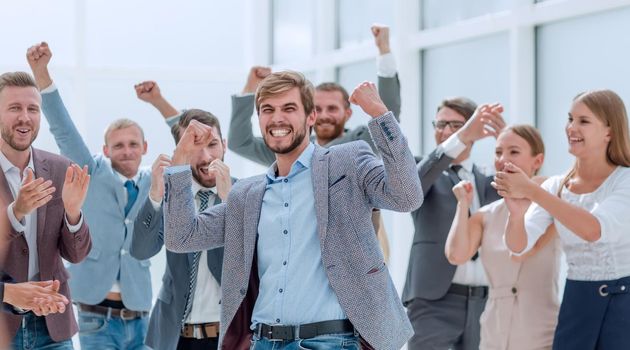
438	13
293	30
476	69
351	75
573	56
355	17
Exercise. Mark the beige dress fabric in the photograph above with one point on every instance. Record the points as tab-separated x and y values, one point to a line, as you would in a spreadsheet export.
522	307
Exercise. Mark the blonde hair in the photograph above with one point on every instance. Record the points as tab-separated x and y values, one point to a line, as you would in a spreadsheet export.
122	123
609	108
16	79
281	82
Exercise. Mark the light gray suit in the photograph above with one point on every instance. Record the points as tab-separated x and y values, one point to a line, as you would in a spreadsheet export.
429	274
244	143
348	181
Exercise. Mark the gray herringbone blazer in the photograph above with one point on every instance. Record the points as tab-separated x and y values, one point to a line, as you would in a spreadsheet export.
349	181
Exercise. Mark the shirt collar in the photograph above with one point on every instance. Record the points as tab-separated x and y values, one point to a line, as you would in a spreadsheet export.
196	187
467	164
7	165
124	178
303	162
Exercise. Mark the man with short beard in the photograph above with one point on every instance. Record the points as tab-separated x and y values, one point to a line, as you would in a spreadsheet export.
112	289
45	224
302	263
186	314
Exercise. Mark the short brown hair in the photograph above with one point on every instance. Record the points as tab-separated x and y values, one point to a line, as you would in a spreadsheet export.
332	87
16	79
122	123
462	105
199	115
281	82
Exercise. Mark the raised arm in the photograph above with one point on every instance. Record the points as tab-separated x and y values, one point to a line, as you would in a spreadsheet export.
464	237
388	83
62	127
149	92
185	230
393	183
240	134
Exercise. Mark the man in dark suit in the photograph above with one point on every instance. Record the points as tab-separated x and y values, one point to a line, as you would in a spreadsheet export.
186	314
443	301
46	224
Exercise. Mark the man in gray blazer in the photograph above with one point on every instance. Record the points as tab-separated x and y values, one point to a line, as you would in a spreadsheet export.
302	263
112	289
443	301
187	312
331	104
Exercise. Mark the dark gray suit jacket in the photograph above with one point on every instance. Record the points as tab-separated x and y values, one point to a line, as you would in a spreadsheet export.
429	274
168	311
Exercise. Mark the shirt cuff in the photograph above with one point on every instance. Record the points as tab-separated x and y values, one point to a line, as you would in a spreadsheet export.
453	146
174	117
386	65
244	95
156	205
17	225
74	228
176	169
51	88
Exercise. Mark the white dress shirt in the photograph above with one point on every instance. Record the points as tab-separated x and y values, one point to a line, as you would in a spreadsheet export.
472	272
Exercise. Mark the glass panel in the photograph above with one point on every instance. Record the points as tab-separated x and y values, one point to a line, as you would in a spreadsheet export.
293	30
349	77
477	69
574	56
437	13
146	33
36	21
355	17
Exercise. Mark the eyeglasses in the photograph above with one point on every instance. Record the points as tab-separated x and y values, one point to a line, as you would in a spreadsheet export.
442	124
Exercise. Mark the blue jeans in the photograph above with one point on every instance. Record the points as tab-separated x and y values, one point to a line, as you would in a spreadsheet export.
346	341
104	332
33	335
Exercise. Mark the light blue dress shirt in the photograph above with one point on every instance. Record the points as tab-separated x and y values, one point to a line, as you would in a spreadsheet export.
294	288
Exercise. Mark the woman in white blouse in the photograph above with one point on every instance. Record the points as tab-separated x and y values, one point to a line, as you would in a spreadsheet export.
590	207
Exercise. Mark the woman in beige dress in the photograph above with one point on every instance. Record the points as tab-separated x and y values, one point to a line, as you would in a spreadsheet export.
522	307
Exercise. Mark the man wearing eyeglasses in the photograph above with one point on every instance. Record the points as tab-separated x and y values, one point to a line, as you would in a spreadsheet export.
444	302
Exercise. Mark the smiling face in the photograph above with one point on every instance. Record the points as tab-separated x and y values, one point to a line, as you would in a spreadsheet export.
125	148
512	148
587	134
284	123
199	163
20	116
332	114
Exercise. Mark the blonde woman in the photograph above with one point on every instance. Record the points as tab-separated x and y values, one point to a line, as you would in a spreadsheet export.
590	207
522	306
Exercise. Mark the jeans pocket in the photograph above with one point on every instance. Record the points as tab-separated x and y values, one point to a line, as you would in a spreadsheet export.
90	323
329	342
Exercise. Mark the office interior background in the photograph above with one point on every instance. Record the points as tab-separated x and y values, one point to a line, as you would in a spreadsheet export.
532	56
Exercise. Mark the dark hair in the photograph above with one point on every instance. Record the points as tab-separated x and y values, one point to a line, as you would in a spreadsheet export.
462	105
198	115
332	87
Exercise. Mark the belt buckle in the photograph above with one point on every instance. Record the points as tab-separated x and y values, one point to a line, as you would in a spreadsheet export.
280	333
197	333
126	318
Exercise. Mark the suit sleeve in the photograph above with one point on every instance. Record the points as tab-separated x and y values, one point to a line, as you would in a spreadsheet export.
389	90
431	167
185	230
393	182
240	135
148	232
66	135
74	247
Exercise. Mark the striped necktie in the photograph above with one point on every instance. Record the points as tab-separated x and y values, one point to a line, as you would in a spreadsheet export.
204	198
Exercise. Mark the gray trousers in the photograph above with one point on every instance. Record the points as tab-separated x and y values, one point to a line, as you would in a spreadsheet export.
448	323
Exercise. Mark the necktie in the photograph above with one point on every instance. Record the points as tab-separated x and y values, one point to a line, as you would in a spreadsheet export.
456	168
204	197
132	195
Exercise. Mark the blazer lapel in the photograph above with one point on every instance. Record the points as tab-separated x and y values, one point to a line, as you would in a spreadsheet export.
41	170
453	176
320	189
251	217
215	256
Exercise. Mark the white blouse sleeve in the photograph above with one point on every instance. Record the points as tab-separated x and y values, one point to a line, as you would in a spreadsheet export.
538	219
613	211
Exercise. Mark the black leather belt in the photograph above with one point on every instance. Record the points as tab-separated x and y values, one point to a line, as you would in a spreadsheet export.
118	313
468	291
305	331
